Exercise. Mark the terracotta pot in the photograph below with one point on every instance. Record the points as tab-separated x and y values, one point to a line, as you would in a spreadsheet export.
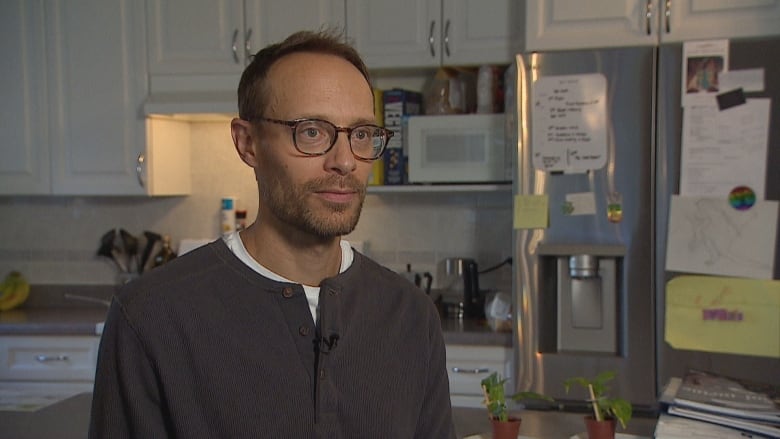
600	429
506	429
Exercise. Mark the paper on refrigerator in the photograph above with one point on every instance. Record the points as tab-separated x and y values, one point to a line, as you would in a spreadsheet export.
723	314
724	149
707	235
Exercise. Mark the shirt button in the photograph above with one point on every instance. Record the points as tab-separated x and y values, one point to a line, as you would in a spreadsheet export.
322	374
287	292
303	330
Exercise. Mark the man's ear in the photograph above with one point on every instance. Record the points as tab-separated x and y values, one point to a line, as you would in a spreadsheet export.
241	131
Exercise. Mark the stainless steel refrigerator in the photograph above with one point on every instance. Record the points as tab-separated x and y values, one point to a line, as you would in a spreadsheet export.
597	135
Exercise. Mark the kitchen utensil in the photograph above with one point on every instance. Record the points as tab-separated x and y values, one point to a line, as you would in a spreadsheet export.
130	247
149	249
428	281
106	248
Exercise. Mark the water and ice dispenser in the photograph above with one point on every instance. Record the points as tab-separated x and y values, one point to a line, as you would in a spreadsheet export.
580	297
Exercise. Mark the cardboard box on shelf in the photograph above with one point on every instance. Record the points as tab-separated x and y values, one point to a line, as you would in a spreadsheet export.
398	105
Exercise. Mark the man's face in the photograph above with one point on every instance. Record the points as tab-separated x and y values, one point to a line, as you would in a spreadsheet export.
323	195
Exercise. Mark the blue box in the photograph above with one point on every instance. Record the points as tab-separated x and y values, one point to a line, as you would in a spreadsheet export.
398	105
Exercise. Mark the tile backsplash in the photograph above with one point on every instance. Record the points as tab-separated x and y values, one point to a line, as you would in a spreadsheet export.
53	240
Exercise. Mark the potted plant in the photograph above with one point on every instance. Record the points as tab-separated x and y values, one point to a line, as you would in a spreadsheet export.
606	410
504	425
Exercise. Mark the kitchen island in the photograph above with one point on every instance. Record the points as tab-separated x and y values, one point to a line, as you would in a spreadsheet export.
69	419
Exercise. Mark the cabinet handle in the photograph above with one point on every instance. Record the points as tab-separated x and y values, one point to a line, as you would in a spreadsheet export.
234	46
447	38
649	16
50	358
471	371
668	15
431	40
139	169
248	46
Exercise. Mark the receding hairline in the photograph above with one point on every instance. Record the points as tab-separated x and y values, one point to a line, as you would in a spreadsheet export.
253	90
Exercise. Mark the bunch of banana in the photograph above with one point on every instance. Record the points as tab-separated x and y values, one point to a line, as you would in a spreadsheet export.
13	291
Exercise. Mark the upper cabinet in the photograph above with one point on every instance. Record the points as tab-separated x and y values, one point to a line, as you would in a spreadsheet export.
429	33
563	24
75	102
24	154
205	44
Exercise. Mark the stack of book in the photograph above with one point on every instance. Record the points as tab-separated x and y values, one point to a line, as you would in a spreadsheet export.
706	399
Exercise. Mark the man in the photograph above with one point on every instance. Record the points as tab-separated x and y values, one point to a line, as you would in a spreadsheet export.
282	330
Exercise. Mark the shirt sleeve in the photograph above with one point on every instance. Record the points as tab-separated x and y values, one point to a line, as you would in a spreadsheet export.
435	419
126	399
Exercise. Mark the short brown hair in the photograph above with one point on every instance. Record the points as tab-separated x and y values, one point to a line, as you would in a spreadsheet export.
253	89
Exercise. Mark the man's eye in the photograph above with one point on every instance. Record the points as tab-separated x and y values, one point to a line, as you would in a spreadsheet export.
311	132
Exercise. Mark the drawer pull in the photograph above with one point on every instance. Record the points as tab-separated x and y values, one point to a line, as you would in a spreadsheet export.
471	371
50	358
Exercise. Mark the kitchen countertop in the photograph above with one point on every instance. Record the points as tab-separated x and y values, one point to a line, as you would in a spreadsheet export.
51	321
82	320
77	309
69	419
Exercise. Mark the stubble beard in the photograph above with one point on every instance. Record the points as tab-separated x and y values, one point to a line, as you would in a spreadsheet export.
291	204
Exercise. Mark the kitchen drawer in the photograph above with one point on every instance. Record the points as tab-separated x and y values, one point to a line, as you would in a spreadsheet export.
47	358
468	365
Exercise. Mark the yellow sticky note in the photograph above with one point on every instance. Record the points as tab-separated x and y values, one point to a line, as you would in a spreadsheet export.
531	212
724	314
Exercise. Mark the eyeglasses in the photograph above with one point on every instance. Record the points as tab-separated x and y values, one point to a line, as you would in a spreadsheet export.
315	137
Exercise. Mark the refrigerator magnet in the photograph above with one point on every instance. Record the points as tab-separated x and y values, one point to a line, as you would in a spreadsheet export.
742	198
583	203
614	207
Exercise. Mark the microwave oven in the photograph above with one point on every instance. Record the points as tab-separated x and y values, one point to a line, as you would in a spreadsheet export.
463	148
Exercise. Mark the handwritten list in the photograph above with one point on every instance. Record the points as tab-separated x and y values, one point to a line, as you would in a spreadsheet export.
569	125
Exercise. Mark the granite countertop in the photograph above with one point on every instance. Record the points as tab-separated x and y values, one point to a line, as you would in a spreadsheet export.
50	311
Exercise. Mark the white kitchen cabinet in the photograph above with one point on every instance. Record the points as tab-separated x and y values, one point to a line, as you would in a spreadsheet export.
205	44
563	24
52	359
24	155
80	85
468	365
706	19
429	33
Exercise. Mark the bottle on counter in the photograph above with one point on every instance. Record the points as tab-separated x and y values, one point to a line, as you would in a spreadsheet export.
166	253
228	216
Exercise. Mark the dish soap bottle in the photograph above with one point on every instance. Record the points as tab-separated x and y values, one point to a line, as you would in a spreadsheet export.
166	253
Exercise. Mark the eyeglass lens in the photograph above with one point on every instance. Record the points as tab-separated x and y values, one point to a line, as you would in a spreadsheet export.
316	136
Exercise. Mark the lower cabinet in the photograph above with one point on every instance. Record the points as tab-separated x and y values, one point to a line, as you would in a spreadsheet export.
468	365
55	364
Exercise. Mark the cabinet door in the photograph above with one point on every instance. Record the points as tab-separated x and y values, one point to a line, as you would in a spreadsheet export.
97	85
699	19
195	37
271	21
401	33
481	31
565	24
24	157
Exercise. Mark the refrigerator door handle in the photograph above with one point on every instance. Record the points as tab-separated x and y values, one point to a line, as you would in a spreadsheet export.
668	15
649	16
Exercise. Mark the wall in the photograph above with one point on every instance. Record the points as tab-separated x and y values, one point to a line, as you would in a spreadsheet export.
53	240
